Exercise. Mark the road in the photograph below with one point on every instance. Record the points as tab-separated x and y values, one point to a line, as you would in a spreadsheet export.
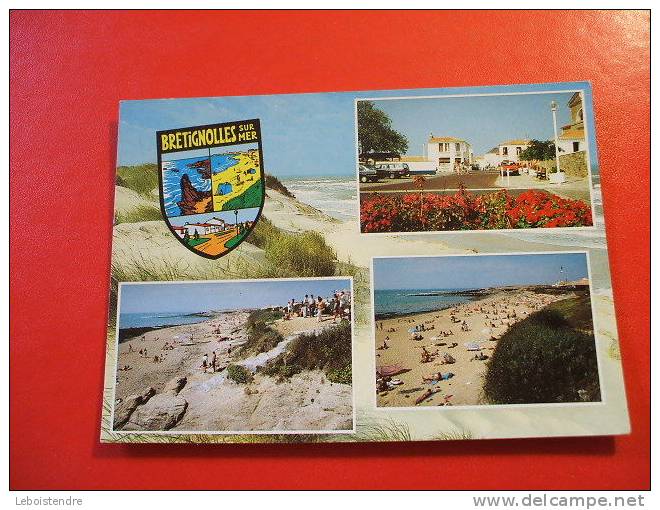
216	244
474	180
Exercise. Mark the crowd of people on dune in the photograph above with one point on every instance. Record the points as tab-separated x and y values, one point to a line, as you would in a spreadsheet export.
338	307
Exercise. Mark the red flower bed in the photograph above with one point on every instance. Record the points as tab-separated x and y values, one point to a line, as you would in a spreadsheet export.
411	212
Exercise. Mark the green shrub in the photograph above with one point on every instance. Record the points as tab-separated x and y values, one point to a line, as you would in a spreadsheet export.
576	310
543	359
329	350
341	375
239	374
261	337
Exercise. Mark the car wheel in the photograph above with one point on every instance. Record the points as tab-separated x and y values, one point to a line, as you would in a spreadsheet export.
364	179
392	176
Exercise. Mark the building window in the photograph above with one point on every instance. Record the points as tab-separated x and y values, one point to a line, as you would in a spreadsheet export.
518	150
576	146
458	147
443	160
505	151
444	147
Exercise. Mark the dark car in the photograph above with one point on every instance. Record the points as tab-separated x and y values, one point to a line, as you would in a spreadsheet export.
367	174
392	170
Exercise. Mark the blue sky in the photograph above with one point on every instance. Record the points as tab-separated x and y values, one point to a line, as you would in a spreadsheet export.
314	134
228	216
199	297
463	272
483	121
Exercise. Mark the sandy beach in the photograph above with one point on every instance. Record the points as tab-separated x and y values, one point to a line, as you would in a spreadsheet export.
167	389
459	333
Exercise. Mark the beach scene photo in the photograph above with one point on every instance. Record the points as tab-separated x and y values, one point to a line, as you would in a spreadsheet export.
268	356
484	330
511	161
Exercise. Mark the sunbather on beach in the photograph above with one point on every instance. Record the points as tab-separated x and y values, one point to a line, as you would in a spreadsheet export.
426	356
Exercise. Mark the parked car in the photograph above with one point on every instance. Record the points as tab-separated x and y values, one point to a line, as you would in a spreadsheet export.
367	174
509	167
393	170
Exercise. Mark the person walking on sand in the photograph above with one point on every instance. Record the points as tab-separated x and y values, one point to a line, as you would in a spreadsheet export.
312	305
205	362
214	361
336	308
304	306
344	304
320	305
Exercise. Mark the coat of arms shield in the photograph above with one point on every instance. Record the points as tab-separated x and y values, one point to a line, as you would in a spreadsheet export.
212	184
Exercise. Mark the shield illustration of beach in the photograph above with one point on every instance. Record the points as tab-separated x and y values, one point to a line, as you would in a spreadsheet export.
212	185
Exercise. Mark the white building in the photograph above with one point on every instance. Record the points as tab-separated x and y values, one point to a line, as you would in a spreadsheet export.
202	228
492	157
572	138
511	149
217	221
446	152
505	151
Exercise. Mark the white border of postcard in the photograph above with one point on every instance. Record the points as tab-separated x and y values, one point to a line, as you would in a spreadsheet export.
483	407
490	231
234	432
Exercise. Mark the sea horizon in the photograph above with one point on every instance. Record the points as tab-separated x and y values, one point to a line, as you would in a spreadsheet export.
399	302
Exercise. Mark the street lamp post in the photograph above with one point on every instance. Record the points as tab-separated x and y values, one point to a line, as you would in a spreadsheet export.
236	222
553	107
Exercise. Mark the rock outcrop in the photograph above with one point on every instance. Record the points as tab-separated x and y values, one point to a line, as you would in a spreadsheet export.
124	410
162	411
193	201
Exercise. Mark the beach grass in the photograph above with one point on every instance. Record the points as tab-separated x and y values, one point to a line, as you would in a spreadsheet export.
274	183
454	435
140	178
294	254
544	359
139	214
383	431
328	350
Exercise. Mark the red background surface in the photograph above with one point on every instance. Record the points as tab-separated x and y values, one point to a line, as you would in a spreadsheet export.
68	72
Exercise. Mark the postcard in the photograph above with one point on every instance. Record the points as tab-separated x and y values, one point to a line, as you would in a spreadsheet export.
407	265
